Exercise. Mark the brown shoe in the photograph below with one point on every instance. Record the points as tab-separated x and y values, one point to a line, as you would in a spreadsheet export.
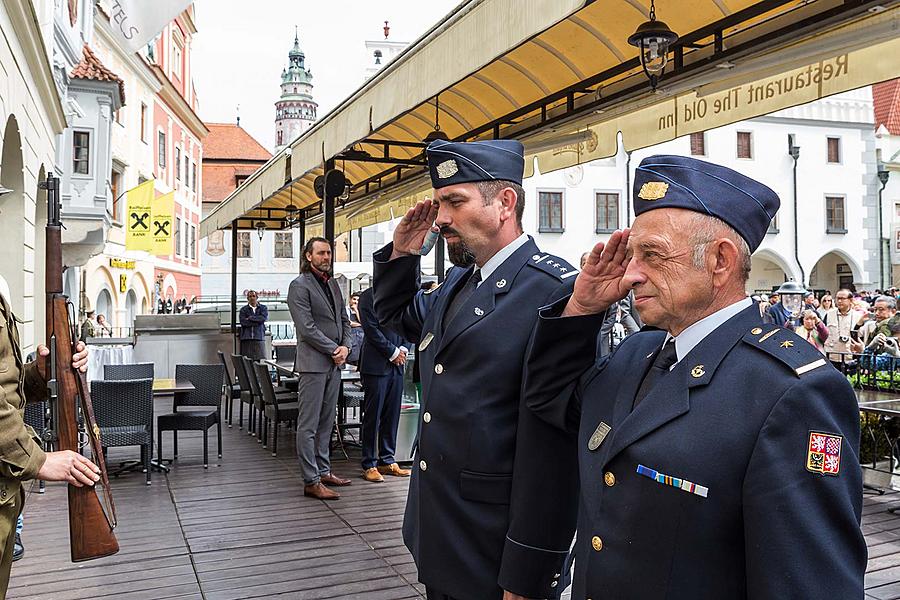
393	469
373	475
317	490
332	479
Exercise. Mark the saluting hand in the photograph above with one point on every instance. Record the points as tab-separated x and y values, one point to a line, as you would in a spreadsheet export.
413	227
600	283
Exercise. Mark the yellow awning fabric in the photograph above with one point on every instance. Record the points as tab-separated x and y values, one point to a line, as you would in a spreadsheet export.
535	70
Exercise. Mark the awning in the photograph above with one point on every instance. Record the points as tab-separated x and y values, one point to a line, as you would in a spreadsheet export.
542	70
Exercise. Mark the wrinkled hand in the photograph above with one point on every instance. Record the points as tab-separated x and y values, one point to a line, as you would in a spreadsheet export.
339	356
79	359
600	284
413	227
69	466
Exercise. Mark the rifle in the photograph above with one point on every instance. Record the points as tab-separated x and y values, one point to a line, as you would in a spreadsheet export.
91	521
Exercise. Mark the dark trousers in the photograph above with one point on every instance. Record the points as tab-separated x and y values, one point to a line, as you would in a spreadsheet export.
381	416
255	349
433	594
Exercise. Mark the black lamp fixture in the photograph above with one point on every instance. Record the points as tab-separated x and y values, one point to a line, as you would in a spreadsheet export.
436	134
653	39
883	174
260	229
792	294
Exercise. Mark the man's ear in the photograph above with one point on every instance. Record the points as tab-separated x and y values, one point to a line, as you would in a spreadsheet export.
507	198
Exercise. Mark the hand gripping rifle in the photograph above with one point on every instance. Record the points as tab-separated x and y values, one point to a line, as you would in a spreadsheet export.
92	514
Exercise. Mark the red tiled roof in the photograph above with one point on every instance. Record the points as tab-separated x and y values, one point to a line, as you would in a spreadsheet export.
90	67
219	180
229	141
886	100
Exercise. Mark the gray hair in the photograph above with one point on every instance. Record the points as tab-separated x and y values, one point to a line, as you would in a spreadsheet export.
705	229
891	302
809	313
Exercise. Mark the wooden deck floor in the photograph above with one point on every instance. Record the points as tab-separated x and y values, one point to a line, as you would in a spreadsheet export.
242	529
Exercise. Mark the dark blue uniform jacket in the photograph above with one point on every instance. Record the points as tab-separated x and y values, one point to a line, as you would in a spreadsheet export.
479	457
734	416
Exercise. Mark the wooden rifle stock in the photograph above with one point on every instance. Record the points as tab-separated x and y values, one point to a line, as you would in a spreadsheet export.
90	524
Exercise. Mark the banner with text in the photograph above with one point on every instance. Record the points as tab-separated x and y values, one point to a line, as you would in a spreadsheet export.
138	235
692	112
163	219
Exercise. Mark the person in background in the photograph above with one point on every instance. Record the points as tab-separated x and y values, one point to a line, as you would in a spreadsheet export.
882	352
841	320
88	326
825	304
777	314
883	316
357	335
103	328
382	361
253	318
813	330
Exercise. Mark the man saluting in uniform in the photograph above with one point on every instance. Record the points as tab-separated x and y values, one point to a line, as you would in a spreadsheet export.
719	456
471	483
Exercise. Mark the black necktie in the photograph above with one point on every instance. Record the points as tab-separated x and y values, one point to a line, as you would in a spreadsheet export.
661	365
464	293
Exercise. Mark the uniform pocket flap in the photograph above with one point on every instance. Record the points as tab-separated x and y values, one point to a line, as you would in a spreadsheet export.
490	488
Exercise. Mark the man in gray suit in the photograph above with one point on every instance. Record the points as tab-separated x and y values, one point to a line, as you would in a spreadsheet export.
323	343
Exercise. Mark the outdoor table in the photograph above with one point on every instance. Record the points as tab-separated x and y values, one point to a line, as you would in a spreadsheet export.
884	407
100	355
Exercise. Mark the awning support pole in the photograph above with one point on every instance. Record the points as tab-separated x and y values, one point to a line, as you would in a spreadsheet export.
234	249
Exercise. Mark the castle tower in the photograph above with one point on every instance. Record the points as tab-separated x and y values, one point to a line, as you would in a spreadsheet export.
295	111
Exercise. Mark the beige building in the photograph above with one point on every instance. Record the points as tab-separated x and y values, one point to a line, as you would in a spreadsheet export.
32	116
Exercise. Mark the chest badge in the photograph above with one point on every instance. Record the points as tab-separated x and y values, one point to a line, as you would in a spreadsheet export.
425	341
823	455
698	372
478	312
501	284
598	436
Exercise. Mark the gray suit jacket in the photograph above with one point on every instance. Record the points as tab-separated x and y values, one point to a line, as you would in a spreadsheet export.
320	327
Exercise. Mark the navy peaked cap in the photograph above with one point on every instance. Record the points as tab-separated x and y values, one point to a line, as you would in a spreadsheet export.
451	163
665	181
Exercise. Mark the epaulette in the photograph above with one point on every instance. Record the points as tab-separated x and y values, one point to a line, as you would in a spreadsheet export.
799	355
553	265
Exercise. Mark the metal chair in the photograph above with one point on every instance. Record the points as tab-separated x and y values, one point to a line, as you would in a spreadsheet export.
275	410
124	413
132	371
207	380
246	391
232	387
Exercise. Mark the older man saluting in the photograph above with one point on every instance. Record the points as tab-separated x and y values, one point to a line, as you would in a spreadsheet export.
718	456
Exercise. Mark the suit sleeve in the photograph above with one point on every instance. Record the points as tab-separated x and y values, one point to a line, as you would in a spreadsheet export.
800	527
346	339
373	333
543	507
562	349
304	324
399	304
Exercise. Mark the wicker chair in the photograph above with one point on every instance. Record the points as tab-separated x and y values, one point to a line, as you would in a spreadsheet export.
246	391
282	394
206	404
275	409
232	387
132	371
124	413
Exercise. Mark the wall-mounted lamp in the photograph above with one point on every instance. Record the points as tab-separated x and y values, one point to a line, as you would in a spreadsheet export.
653	39
260	229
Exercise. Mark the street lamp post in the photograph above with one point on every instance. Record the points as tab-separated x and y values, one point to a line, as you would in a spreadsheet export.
883	176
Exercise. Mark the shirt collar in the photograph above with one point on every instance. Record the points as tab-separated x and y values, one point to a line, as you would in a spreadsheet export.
323	277
693	335
500	257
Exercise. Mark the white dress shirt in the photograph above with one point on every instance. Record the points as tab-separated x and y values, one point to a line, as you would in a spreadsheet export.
498	259
696	333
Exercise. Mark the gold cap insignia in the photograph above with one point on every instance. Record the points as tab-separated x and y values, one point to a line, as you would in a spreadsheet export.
446	169
698	372
756	330
653	190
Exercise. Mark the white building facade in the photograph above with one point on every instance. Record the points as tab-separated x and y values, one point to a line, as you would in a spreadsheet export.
569	211
32	116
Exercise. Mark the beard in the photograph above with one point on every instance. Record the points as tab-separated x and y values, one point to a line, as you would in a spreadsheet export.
459	252
323	267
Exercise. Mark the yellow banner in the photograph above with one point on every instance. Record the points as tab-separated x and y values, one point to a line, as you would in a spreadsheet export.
163	224
138	232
